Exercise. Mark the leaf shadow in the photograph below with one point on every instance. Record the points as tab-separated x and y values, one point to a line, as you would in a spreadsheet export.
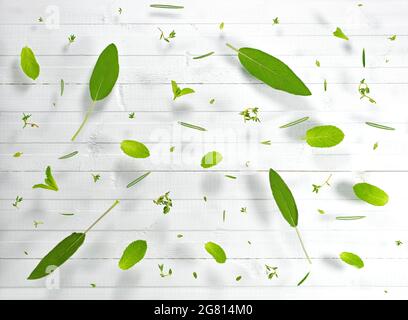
345	189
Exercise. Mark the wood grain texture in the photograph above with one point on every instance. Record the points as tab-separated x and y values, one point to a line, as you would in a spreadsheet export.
303	36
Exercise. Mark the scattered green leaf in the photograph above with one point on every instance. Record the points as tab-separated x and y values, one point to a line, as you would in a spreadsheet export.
364	58
238	278
131	115
171	35
49	182
317	62
134	149
93	285
172	148
221	26
96	177
62	87
293	123
204	55
25	118
211	159
317	187
17	202
69	155
303	279
286	203
243	210
266	142
195	275
191	126
29	63
180	236
275	21
352	259
364	90
216	252
17	154
340	34
375	146
71	38
325	85
165	6
271	272
164	201
379	126
37	223
103	79
393	37
138	179
164	274
324	136
321	211
370	194
346	218
271	71
250	114
133	254
63	251
398	243
212	101
231	177
178	92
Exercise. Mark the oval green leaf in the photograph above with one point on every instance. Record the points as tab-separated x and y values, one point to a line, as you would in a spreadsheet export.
324	136
370	194
29	64
283	198
216	251
272	71
58	255
211	159
133	254
352	259
105	73
134	149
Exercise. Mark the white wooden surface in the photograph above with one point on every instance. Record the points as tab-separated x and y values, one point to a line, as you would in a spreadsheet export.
147	66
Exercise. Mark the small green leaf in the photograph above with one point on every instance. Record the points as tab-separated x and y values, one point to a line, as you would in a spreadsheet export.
379	126
49	181
393	37
138	179
370	194
303	279
29	63
293	123
62	87
195	275
271	71
58	255
347	218
324	136
211	159
364	58
216	251
191	126
133	254
352	259
204	55
221	26
17	154
317	62
283	198
238	278
134	149
69	155
340	34
165	6
178	92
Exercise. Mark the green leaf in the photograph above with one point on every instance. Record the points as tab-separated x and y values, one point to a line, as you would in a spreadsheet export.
191	126
211	159
340	34
379	126
70	155
103	79
133	254
178	92
303	279
370	194
204	55
49	181
293	123
58	255
216	251
105	73
364	58
134	149
29	64
138	179
352	259
283	198
324	136
347	218
271	71
165	6
62	87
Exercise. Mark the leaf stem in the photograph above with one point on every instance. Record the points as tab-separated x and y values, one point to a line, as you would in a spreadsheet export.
103	215
231	47
302	244
88	113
